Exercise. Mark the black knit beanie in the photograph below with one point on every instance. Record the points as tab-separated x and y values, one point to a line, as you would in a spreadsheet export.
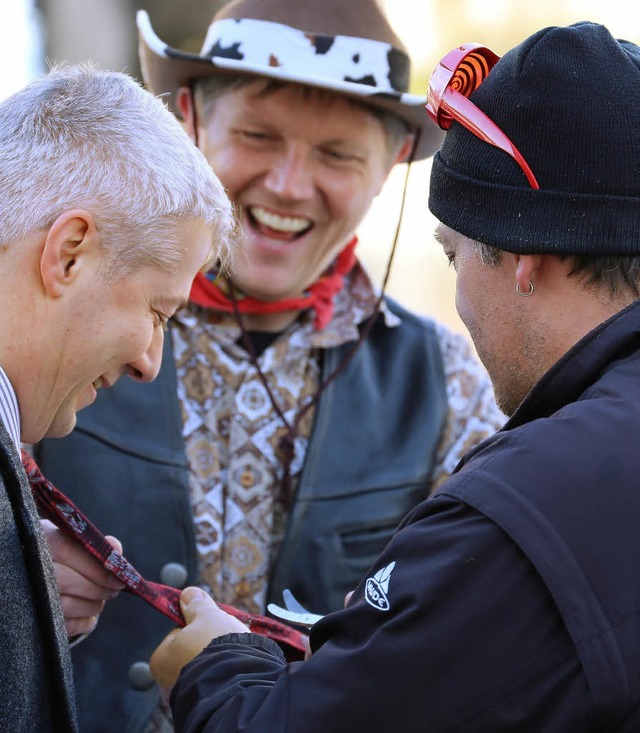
569	99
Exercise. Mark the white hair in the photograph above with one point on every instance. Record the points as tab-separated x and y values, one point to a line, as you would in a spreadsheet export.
80	137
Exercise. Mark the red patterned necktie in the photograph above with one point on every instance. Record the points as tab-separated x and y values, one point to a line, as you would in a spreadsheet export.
54	505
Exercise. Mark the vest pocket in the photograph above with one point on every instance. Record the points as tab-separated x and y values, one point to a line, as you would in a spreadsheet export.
365	543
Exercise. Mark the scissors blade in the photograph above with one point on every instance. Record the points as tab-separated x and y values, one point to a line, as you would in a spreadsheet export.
292	603
302	619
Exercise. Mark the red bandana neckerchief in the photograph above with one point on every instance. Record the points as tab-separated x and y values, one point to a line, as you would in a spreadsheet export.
53	505
319	296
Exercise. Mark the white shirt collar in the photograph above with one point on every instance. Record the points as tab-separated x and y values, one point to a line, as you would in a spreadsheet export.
9	412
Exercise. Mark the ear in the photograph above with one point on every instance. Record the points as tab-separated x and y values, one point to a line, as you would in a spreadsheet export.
403	154
527	267
184	103
405	150
71	242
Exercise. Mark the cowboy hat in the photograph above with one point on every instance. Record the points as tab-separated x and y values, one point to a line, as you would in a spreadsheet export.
346	46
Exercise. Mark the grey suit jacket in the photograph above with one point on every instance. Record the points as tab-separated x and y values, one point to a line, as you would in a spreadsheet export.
36	688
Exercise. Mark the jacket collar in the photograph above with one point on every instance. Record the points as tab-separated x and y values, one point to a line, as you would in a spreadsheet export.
581	366
575	372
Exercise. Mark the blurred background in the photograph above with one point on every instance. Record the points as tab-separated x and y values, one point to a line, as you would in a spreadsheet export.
37	33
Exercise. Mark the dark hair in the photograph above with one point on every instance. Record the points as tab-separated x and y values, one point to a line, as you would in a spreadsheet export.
489	255
615	273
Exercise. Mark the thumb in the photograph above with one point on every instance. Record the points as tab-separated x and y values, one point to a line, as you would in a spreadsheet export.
347	598
115	543
193	601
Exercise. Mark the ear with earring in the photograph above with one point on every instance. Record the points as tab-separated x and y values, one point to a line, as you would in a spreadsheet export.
528	292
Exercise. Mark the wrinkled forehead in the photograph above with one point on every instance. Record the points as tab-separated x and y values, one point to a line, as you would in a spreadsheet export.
212	91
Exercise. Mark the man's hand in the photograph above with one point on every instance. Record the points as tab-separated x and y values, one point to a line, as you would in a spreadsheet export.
347	598
83	583
309	653
205	621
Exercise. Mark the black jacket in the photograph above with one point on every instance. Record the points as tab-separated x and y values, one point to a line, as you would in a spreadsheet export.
509	601
369	461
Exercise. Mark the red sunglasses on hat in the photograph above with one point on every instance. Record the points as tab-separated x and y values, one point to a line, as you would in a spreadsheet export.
459	74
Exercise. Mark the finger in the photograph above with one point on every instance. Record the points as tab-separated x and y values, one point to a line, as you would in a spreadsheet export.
114	542
162	663
79	626
66	551
201	612
195	602
205	620
71	582
307	652
347	598
78	608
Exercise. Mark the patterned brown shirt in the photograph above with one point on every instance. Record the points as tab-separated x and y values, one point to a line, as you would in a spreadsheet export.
232	431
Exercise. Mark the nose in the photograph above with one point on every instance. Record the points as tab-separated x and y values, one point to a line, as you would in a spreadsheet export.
146	367
290	175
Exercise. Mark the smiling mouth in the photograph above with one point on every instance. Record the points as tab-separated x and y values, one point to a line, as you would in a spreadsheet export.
275	226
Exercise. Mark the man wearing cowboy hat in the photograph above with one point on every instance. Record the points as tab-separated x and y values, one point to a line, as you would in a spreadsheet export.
298	415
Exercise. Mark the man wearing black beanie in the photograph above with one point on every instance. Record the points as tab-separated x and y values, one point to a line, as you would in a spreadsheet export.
509	600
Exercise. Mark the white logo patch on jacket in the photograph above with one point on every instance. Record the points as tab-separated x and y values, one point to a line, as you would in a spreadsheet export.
376	588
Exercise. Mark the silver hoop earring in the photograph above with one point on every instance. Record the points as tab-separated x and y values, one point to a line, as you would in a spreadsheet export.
528	293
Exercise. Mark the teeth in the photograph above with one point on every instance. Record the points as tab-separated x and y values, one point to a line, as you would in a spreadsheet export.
281	223
97	383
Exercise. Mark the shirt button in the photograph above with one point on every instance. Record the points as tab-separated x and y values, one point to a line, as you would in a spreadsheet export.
140	676
174	574
246	478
